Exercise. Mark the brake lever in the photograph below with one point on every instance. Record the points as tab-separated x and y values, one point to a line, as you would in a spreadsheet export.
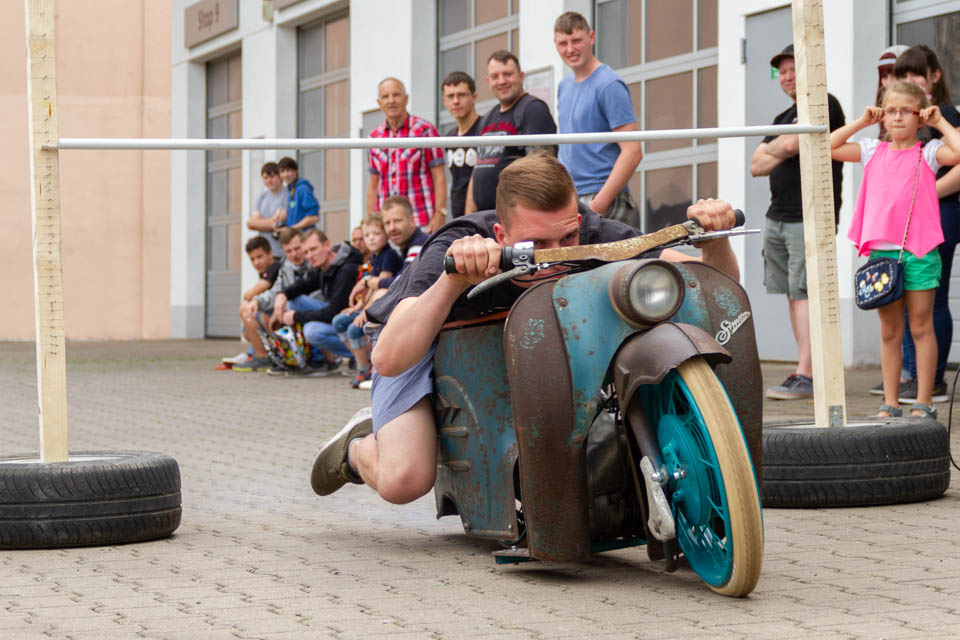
712	235
493	281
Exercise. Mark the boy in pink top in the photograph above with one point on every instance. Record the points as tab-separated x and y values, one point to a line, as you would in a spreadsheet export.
899	183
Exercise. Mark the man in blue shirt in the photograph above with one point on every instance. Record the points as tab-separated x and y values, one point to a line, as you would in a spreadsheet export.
594	98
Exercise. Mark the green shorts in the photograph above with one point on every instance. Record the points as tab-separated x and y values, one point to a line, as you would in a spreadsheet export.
919	274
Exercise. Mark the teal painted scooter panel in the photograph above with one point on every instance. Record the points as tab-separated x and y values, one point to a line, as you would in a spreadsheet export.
477	443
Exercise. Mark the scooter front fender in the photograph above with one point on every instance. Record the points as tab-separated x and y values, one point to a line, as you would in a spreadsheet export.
645	358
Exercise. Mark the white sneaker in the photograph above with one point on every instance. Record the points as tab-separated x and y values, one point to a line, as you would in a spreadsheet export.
240	358
366	385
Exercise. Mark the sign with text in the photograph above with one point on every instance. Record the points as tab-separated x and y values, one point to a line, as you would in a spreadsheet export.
208	19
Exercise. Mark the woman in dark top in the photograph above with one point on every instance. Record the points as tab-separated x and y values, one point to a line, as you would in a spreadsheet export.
920	66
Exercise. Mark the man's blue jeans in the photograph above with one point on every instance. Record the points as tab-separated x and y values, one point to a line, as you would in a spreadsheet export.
320	335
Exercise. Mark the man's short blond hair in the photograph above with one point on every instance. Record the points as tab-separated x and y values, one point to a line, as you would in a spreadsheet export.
537	181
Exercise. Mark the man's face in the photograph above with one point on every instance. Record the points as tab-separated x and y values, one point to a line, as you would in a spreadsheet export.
356	239
392	100
788	77
575	48
271	180
293	250
398	225
546	229
288	176
458	100
260	259
317	252
505	81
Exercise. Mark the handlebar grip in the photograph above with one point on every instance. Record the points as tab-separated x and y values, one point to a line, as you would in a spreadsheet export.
506	261
741	219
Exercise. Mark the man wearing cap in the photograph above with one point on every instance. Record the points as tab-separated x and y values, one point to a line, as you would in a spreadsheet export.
785	269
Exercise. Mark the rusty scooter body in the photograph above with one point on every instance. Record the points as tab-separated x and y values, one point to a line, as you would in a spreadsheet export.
616	406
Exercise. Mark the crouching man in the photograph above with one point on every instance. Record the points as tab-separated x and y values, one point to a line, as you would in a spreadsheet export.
393	446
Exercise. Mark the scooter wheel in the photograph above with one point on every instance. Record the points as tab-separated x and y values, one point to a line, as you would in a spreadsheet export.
712	490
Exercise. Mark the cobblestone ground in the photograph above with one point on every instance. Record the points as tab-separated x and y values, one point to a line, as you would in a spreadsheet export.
260	556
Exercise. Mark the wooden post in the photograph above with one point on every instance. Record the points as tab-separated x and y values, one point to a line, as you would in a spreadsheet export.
45	212
818	218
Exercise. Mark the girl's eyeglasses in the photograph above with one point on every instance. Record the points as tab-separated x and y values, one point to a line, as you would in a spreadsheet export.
902	112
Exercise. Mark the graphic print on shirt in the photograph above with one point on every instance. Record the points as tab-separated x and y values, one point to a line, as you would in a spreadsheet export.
487	156
460	157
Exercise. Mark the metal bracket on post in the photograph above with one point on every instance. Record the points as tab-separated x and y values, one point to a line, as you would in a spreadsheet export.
836	416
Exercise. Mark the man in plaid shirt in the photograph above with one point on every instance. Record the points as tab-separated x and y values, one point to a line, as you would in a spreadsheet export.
417	174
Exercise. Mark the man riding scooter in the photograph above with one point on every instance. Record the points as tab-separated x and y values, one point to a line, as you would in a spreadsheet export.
393	446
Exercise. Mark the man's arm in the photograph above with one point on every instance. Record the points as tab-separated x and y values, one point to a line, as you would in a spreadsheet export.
439	174
306	221
343	282
257	222
713	215
258	287
623	169
416	321
769	155
372	192
469	205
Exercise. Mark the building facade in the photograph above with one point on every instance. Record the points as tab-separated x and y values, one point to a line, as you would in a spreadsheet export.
310	68
113	80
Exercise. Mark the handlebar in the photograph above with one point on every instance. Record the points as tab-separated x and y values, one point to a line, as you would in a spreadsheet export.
523	252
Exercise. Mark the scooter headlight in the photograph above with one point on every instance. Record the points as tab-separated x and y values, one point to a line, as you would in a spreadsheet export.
646	292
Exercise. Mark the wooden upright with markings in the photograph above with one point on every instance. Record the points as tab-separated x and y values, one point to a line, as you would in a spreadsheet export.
818	215
45	211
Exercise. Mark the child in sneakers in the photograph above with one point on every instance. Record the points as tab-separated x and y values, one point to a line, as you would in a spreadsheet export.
384	263
899	180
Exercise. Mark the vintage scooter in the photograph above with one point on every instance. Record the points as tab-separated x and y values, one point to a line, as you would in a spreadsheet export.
602	412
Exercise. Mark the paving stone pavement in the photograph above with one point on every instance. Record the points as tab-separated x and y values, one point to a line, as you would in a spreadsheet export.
258	555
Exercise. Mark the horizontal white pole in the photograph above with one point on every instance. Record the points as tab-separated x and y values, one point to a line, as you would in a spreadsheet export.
421	143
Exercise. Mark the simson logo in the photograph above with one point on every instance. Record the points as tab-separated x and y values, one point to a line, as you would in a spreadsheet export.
728	328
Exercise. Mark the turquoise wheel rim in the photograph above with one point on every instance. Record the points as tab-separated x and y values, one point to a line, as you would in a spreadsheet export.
698	499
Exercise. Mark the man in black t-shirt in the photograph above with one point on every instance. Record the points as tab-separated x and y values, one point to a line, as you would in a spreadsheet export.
459	96
517	113
393	445
784	258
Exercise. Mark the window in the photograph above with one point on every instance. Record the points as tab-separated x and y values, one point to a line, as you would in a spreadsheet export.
470	30
939	32
324	112
667	55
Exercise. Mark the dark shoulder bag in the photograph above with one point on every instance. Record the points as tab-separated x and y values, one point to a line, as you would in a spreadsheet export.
880	281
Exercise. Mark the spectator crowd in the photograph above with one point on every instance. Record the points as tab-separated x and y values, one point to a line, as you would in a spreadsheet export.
321	290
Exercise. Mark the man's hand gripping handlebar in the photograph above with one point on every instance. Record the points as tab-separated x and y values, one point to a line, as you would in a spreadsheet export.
522	259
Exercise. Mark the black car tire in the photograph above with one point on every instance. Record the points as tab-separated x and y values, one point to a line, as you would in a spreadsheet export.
873	461
95	498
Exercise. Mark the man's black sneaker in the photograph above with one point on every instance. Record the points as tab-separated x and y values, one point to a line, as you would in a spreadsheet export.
315	370
330	467
908	392
877	389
